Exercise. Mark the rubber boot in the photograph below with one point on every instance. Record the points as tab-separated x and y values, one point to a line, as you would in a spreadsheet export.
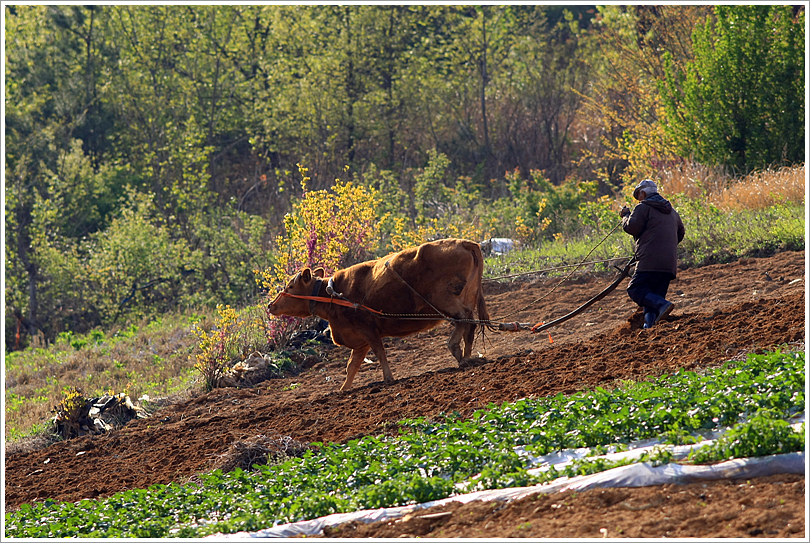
659	304
649	318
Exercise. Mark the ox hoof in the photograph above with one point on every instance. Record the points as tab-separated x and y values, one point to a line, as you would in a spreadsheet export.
472	361
467	362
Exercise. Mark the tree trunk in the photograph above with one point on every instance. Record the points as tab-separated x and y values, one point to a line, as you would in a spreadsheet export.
484	80
351	90
23	249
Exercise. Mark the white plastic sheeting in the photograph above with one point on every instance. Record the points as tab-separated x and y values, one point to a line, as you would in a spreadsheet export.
559	460
497	246
633	475
643	474
634	450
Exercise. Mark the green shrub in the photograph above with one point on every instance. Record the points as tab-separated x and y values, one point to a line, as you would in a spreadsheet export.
740	101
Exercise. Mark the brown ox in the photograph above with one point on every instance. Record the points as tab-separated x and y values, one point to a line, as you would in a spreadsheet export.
391	296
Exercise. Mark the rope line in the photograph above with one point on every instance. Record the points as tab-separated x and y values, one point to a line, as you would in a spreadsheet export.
564	279
560	267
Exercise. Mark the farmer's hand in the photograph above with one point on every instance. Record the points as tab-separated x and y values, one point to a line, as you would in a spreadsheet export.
624	212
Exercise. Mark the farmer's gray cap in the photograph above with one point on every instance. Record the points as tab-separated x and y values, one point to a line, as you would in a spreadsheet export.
647	186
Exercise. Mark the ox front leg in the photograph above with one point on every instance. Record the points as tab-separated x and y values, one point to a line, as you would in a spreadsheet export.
466	332
454	343
469	337
354	366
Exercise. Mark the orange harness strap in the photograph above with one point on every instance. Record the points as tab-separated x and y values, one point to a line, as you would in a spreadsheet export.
336	301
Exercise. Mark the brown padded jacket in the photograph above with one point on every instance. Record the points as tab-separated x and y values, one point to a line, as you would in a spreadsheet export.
657	229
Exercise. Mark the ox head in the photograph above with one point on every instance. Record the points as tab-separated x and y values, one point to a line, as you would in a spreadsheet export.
288	301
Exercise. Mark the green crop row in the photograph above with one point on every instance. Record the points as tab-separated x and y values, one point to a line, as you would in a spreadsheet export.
430	457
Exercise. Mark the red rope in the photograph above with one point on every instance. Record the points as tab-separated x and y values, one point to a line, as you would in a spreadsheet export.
336	301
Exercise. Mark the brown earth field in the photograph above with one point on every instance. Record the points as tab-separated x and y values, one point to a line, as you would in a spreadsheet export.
722	313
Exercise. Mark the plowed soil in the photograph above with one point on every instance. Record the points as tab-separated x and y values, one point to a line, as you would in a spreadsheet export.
722	312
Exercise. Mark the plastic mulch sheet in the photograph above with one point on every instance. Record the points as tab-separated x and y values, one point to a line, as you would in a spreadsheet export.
633	475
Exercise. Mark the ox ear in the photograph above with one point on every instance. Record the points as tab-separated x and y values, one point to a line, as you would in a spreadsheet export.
306	275
318	272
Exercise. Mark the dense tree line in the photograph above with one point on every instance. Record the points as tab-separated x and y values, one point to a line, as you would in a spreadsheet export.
152	151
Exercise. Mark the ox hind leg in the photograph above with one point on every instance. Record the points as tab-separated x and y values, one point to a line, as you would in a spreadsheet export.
379	349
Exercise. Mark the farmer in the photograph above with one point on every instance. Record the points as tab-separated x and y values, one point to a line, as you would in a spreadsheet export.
657	229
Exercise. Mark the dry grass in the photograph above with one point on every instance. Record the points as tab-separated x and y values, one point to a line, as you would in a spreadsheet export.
764	189
755	191
151	358
31	443
260	450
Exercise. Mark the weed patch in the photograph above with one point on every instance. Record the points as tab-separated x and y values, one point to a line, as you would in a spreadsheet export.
150	358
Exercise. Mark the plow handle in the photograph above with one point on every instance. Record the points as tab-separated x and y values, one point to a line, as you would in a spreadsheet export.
625	272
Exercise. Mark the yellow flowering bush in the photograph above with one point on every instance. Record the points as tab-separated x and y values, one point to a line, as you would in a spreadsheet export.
404	235
328	228
68	408
215	347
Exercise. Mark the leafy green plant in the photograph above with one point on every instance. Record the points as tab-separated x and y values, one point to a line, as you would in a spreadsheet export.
766	433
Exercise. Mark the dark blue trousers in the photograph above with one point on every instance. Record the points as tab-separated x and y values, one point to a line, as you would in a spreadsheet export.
643	283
